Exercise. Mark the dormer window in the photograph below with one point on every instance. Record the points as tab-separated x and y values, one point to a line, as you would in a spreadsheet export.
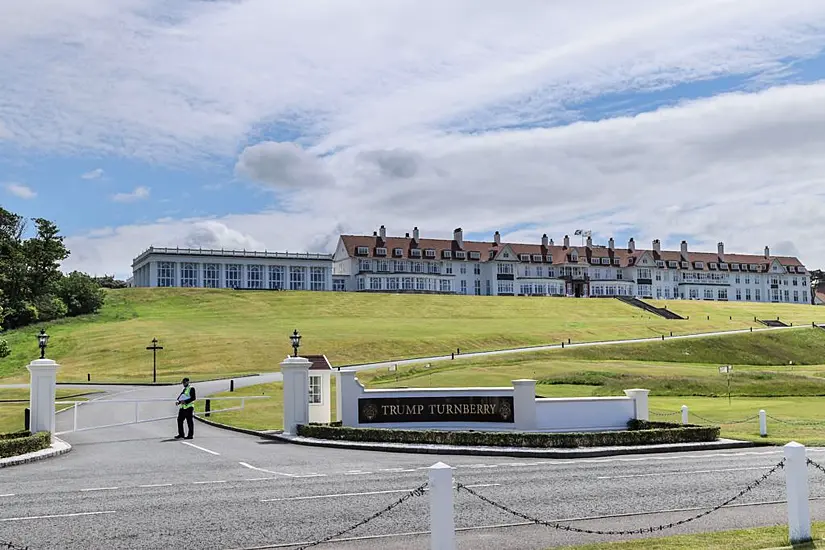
380	251
723	267
549	258
800	269
524	257
699	265
754	267
415	252
605	261
430	253
475	255
447	254
362	251
397	252
536	257
460	254
713	266
594	260
574	257
734	267
673	264
631	260
616	261
685	265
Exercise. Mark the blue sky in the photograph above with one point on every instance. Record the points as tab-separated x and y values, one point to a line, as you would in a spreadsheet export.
262	124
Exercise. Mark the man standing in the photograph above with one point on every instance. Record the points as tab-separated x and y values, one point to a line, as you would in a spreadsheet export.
186	410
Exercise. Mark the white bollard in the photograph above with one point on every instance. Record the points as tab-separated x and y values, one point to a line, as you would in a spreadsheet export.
796	487
684	414
763	423
442	522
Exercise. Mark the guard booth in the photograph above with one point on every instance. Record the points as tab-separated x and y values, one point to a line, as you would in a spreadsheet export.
320	393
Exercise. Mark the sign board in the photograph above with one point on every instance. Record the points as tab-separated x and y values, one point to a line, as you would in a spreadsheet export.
725	369
435	409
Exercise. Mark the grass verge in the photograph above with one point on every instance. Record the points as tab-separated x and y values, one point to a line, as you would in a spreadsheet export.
13	403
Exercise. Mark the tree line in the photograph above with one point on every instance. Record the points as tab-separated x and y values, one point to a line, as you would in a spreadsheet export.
33	289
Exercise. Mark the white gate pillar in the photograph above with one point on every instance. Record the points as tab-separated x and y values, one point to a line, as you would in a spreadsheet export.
524	404
42	389
295	371
639	397
442	515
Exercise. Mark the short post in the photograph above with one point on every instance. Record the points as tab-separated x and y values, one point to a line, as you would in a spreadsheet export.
751	329
207	407
663	336
562	345
88	377
684	414
452	356
763	423
74	417
442	521
231	385
671	333
568	340
796	486
27	417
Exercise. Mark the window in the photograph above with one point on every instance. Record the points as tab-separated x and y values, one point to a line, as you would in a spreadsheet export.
255	276
672	263
616	261
644	273
463	286
594	260
699	265
667	293
365	265
463	269
478	287
694	293
383	265
166	273
448	268
339	285
708	294
747	279
407	282
434	268
418	267
795	282
505	287
397	252
430	253
526	290
375	283
297	277
477	269
212	275
734	267
447	254
362	284
748	294
738	293
460	255
317	278
660	263
315	389
362	251
475	255
392	283
524	257
619	275
527	271
723	267
787	295
380	251
445	285
189	275
757	295
658	275
536	257
539	271
795	295
505	269
722	294
276	277
737	278
420	283
685	265
233	275
713	266
415	253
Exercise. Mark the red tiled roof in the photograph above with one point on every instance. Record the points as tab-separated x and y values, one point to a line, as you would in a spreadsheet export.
559	254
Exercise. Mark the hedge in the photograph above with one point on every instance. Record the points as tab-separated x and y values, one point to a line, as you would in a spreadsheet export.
639	432
20	443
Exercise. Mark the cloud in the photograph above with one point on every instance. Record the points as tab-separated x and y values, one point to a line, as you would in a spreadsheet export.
281	165
214	234
93	174
742	168
397	163
138	194
20	191
178	82
5	133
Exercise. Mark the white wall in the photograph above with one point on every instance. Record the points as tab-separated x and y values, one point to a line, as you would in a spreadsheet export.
572	414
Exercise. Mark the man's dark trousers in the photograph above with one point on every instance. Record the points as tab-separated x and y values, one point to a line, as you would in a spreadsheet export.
186	414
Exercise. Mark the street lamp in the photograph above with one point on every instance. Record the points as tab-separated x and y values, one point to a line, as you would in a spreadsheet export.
42	341
296	342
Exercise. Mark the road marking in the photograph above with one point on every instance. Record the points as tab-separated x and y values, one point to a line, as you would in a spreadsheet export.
686	472
78	514
358	473
259	478
396	469
100	489
8	495
251	467
155	485
207	482
306	475
201	448
335	495
483	485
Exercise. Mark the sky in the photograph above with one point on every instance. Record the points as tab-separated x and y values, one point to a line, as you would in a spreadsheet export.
266	124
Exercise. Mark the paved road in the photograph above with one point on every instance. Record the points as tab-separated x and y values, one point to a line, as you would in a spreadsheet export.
135	487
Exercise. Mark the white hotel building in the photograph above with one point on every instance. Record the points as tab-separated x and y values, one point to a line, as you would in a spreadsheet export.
410	264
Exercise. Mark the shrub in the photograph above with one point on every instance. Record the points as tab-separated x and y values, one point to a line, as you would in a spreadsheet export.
638	433
81	293
5	349
23	442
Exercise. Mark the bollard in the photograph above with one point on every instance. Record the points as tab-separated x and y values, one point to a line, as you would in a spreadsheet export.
442	522
568	340
452	356
671	333
751	329
684	414
231	385
796	487
708	317
663	336
562	345
763	423
458	351
207	407
27	419
88	377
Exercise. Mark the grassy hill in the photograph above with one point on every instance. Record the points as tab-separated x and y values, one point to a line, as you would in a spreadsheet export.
210	333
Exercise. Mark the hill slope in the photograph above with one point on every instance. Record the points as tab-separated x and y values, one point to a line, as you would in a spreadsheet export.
209	333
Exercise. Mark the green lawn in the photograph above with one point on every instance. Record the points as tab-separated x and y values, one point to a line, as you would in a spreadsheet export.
13	403
743	539
215	333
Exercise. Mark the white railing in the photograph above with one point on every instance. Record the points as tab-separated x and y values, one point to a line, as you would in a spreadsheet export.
76	405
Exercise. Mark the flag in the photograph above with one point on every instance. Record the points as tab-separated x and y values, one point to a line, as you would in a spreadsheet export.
587	233
577	232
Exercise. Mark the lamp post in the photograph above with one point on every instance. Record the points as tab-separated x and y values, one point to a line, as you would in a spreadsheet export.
154	347
296	342
42	341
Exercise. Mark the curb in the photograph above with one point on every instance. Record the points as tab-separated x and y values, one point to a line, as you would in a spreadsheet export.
487	451
57	448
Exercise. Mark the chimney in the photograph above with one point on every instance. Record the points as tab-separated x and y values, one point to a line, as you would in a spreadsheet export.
497	238
415	234
721	248
631	245
544	240
767	252
589	242
383	232
611	244
684	250
552	243
657	246
407	235
567	241
375	233
458	237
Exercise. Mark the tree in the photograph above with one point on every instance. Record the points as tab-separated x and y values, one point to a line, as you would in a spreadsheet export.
109	281
817	279
81	293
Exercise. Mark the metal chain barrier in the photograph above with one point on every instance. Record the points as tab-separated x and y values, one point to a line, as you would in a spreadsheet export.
728	422
417	492
12	546
655	413
640	531
797	422
819	467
